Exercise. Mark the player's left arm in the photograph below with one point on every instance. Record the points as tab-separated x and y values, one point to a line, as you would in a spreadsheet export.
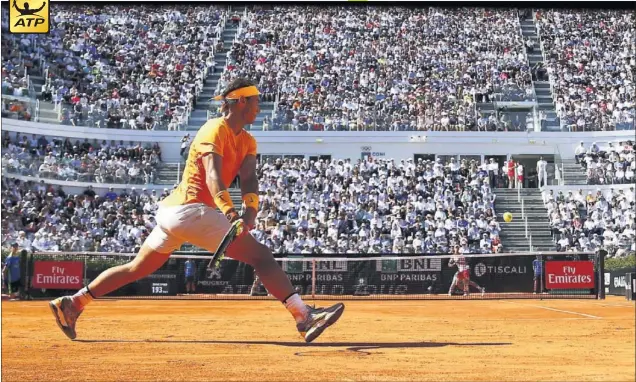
249	186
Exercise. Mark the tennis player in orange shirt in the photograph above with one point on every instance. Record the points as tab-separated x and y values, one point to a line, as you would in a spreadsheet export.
221	150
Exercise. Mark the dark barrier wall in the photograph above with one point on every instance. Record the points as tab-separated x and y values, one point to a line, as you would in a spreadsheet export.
615	281
356	276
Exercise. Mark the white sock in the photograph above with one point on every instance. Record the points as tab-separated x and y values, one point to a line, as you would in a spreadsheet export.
82	298
297	307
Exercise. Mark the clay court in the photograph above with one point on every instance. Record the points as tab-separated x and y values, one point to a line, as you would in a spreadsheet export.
143	340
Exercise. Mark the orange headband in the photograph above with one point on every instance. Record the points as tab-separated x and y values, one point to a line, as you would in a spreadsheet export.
248	91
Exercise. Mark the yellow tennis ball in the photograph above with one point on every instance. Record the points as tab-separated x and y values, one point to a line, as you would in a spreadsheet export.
507	217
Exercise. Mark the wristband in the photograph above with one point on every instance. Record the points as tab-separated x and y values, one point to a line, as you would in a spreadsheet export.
223	200
251	201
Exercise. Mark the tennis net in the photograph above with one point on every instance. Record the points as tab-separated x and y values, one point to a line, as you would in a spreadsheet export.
541	275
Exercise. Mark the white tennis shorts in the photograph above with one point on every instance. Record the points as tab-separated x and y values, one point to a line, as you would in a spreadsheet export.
197	224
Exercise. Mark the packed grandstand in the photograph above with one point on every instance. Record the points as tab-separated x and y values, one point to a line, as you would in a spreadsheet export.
320	69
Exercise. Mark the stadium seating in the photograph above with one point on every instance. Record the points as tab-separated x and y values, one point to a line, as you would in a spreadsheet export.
588	221
375	207
337	68
590	61
124	66
381	68
96	162
611	164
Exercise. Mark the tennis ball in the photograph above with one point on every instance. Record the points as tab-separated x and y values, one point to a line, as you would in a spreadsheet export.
507	217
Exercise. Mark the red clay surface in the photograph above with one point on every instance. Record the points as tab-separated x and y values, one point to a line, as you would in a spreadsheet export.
144	340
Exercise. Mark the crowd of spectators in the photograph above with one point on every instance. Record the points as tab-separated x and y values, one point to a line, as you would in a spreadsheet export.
375	207
601	219
16	62
62	159
17	109
590	62
41	217
335	68
611	164
345	68
133	67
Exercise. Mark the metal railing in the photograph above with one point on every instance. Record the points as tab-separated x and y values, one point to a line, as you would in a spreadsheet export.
36	115
558	166
524	217
545	60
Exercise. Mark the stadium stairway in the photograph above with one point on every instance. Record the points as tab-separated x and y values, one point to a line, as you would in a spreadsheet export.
541	88
168	173
513	234
47	109
573	173
200	113
47	113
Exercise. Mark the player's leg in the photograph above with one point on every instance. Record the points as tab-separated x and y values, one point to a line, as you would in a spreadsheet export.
477	286
453	285
310	322
208	233
465	284
15	290
68	309
152	255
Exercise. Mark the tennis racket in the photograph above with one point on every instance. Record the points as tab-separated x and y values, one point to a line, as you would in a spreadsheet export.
235	230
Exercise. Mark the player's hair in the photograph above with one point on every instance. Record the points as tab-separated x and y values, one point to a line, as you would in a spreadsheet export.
237	83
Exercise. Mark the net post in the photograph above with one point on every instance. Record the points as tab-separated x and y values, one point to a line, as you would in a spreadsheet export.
600	292
85	269
25	288
313	279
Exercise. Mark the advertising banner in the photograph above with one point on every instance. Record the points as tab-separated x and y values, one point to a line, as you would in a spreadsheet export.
569	275
158	284
58	275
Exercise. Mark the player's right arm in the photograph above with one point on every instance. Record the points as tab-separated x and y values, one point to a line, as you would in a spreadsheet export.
213	166
212	149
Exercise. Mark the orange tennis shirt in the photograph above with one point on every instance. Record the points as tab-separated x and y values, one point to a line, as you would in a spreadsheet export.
215	136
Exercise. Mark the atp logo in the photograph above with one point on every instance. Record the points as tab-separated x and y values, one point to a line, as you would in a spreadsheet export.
30	16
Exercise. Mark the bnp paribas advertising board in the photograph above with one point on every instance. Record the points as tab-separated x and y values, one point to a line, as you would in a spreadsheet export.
363	277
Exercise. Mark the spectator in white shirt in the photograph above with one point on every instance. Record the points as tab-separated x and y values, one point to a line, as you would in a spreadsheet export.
519	172
542	172
579	152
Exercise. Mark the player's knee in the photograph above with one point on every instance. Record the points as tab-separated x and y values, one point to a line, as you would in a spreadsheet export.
145	264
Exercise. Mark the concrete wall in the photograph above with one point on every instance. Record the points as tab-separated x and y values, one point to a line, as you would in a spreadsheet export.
397	145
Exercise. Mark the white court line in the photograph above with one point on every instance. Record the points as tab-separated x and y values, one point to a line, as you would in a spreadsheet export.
613	304
554	309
